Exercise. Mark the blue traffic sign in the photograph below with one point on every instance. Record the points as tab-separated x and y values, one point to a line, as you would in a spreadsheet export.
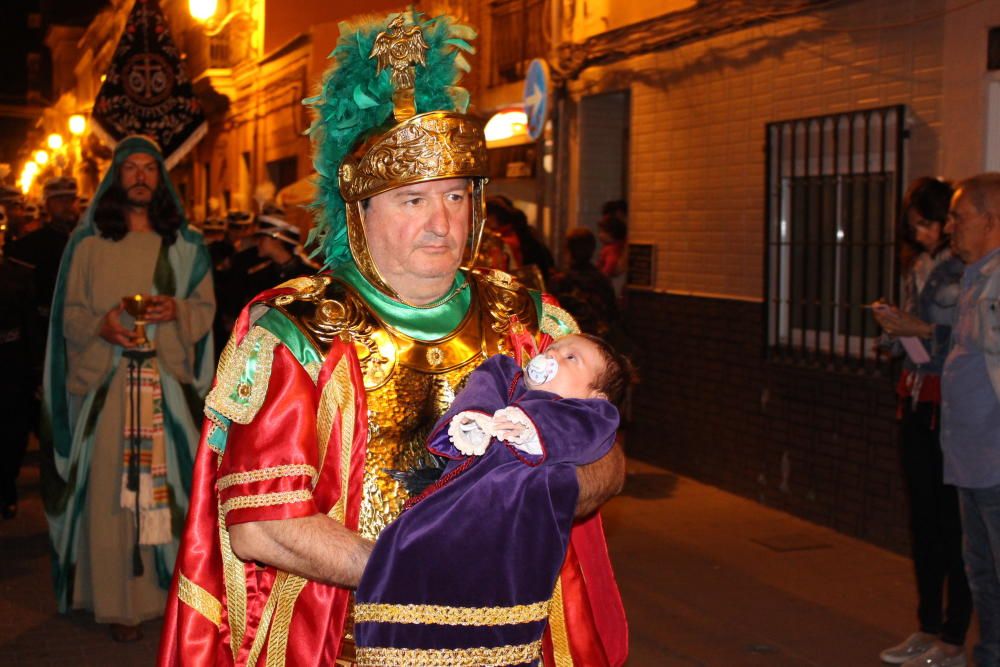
536	97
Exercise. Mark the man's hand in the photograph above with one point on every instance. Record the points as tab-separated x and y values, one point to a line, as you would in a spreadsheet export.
112	330
599	481
162	309
315	547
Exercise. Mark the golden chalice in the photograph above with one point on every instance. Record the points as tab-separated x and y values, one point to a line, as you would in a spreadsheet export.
137	306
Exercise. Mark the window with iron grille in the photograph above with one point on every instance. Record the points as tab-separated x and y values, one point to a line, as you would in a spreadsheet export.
833	189
516	38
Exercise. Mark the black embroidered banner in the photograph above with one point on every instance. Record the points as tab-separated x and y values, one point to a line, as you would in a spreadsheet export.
146	90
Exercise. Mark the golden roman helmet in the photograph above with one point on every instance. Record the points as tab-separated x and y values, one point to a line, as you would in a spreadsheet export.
410	147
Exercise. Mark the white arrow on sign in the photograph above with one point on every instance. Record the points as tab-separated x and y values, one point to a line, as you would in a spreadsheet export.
535	98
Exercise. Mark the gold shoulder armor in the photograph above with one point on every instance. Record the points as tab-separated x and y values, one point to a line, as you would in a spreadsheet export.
503	298
324	308
306	288
244	371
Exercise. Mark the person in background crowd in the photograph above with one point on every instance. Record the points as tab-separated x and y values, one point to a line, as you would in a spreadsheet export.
32	219
583	290
494	253
17	321
3	229
930	297
42	249
279	242
533	261
214	231
13	203
123	421
220	251
239	233
231	274
40	252
970	398
533	249
612	232
500	222
616	208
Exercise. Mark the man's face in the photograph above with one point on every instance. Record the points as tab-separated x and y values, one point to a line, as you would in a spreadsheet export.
269	247
580	363
970	230
62	208
140	174
418	232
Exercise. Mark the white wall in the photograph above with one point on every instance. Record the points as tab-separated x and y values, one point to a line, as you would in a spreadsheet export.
966	114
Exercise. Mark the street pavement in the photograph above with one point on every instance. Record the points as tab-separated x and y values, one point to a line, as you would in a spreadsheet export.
708	578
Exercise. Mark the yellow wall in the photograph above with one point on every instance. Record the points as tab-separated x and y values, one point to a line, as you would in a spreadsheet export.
591	17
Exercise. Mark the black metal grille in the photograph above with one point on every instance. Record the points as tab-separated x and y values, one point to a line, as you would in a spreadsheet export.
516	37
833	188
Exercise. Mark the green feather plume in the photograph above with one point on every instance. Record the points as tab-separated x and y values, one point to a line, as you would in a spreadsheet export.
354	100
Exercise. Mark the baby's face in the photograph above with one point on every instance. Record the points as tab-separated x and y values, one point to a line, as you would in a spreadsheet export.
580	363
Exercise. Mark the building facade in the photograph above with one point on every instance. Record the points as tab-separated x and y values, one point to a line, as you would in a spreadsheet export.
763	149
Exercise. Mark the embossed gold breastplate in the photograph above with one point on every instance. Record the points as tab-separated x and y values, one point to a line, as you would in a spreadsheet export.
410	383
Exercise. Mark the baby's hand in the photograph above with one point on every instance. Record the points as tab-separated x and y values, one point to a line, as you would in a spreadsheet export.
504	429
513	426
470	432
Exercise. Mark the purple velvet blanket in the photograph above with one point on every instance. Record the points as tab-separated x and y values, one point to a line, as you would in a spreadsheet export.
485	545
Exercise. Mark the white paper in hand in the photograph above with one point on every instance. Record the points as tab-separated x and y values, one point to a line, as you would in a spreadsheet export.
915	349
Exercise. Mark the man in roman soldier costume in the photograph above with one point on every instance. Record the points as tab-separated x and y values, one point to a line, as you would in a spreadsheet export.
330	384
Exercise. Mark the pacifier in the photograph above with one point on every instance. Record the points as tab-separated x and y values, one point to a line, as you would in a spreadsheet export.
541	369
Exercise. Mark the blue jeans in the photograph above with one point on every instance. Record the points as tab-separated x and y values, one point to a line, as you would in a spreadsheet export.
981	523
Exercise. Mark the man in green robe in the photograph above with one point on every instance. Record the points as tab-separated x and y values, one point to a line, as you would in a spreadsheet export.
106	407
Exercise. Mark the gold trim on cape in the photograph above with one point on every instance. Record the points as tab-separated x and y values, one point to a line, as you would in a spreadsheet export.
425	614
456	657
288	587
262	474
234	573
277	641
557	626
199	599
345	401
265	500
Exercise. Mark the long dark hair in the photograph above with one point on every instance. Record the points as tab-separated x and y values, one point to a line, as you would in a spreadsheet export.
164	216
930	198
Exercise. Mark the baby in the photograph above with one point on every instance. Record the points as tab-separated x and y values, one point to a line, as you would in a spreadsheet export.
466	574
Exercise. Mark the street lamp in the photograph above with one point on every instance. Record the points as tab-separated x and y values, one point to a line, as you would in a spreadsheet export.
55	141
28	173
77	124
204	11
40	157
507	128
